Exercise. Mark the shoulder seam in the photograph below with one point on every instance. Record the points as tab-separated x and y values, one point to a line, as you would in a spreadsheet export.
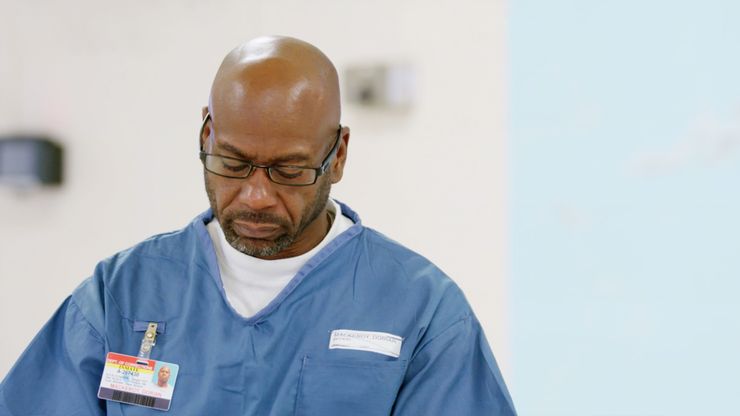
98	337
448	328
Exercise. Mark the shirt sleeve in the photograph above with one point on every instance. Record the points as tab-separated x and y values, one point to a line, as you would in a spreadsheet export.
454	373
59	372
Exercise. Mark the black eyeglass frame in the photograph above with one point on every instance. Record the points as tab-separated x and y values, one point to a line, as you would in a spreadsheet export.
252	166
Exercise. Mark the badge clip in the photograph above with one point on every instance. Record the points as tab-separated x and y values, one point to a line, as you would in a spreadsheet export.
147	343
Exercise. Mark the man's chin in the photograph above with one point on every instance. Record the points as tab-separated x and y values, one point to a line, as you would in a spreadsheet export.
260	248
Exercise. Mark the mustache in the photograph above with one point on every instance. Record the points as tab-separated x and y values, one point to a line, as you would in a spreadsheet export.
256	217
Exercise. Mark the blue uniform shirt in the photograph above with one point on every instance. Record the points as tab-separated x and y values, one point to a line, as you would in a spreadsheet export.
277	362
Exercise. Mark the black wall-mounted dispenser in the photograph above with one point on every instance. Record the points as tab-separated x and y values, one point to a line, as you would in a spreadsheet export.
27	161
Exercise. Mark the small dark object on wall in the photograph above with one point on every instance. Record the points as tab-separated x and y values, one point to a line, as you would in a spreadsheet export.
28	161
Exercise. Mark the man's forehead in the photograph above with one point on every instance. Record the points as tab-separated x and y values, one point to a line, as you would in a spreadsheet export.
269	147
267	116
284	109
268	156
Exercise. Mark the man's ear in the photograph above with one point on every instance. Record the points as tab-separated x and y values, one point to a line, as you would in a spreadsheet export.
205	130
337	166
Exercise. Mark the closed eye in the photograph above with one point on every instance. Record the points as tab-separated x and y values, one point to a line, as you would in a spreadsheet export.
288	172
234	165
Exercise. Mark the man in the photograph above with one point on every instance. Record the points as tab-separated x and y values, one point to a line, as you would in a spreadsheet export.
277	300
163	378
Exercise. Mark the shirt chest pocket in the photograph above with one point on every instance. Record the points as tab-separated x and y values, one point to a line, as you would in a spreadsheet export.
358	388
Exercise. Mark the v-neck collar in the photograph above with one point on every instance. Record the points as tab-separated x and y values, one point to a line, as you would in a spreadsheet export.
211	260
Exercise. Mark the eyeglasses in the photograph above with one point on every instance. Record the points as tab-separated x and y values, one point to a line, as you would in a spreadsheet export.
230	167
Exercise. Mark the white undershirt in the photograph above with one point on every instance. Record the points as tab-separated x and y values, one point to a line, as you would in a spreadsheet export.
251	283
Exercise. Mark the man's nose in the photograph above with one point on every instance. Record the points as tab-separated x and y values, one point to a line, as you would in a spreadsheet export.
257	191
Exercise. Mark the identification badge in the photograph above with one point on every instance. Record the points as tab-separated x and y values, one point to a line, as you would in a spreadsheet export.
379	342
142	382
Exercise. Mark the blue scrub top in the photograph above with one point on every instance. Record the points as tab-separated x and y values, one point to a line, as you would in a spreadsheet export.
277	362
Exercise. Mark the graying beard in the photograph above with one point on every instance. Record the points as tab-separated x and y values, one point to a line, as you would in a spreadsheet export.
275	247
280	243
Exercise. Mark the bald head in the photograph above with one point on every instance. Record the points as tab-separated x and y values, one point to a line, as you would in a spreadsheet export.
280	82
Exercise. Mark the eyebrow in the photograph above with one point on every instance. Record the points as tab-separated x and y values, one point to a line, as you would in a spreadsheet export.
291	157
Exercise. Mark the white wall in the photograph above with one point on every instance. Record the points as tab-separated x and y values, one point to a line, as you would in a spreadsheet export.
121	85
